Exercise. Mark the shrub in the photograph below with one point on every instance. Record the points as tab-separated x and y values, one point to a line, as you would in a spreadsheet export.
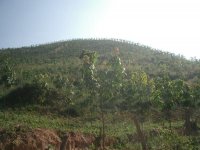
31	94
26	95
71	111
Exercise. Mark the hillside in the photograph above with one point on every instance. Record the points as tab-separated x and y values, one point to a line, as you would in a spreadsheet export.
129	92
133	55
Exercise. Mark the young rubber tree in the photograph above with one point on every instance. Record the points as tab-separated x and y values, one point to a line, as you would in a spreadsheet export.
185	97
196	98
90	83
165	87
8	75
139	98
143	88
104	85
111	79
188	101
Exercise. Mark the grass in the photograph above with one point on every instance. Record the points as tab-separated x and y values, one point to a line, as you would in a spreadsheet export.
10	119
119	128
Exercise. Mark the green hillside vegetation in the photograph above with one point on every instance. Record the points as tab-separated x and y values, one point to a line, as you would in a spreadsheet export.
143	97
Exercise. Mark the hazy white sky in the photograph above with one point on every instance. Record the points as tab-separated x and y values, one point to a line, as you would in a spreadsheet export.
170	25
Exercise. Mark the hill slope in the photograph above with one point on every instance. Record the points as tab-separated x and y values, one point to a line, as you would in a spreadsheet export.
61	87
134	56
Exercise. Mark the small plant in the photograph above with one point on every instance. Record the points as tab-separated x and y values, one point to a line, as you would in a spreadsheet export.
8	75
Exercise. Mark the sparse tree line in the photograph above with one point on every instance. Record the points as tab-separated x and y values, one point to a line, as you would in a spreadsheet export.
139	94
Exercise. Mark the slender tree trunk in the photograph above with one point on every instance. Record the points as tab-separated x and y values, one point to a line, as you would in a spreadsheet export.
91	117
168	117
170	124
4	103
103	125
140	133
103	130
187	124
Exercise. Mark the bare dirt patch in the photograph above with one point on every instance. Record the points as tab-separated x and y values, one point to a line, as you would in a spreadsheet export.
45	139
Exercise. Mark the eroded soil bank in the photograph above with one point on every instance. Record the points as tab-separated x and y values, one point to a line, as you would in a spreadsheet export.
44	139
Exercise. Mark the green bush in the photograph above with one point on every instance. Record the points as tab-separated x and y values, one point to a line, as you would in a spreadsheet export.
71	111
170	140
26	95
